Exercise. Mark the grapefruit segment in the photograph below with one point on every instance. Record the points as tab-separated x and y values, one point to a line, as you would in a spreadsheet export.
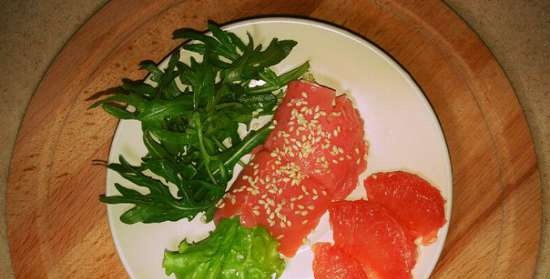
416	204
331	262
373	236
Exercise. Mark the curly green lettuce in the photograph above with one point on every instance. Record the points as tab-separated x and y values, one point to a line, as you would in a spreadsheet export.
230	252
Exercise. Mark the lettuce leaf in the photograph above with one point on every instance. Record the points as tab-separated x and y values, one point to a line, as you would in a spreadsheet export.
231	251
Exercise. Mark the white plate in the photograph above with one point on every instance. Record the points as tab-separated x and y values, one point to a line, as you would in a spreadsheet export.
402	130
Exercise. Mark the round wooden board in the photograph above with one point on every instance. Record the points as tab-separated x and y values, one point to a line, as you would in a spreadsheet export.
58	229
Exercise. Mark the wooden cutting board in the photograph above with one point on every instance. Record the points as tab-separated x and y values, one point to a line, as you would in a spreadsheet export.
58	229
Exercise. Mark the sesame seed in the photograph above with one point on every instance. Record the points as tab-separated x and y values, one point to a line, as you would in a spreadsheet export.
240	189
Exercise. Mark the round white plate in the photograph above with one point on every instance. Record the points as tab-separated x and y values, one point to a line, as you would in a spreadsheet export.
402	130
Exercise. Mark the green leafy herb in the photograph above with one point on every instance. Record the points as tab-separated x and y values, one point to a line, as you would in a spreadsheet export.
231	251
190	114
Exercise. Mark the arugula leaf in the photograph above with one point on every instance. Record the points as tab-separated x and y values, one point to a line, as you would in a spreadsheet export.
156	206
231	251
190	114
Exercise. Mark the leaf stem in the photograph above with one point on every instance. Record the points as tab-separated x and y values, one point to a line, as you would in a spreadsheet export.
204	153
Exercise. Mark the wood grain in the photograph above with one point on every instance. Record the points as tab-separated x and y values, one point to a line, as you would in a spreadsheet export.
58	229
